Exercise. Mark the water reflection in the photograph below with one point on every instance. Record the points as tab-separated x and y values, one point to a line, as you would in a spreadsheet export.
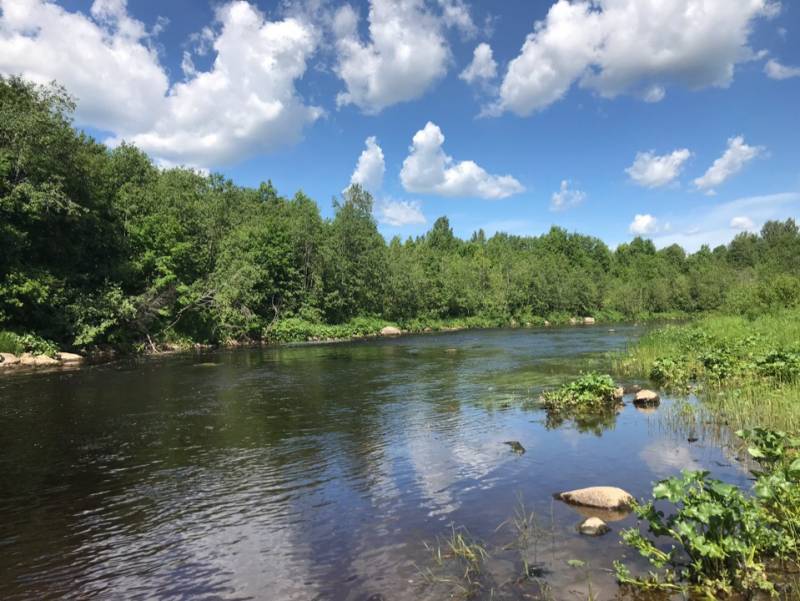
308	472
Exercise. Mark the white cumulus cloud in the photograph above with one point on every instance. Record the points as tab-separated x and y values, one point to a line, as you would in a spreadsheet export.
245	103
370	167
619	46
566	198
742	223
103	58
735	157
483	66
643	224
652	171
428	170
398	213
775	70
406	53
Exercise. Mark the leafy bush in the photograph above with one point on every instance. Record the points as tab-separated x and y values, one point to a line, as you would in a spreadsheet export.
721	541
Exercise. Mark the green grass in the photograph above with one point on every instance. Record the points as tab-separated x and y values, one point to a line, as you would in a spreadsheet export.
10	343
746	372
16	344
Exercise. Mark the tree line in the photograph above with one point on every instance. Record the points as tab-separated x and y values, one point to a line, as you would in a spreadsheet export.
100	246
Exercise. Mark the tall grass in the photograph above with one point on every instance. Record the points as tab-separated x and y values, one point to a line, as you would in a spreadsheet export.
746	372
10	343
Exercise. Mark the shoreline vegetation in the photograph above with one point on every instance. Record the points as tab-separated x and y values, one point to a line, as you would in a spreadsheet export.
103	250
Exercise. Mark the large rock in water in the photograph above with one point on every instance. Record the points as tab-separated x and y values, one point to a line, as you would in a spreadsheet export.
37	360
602	497
593	527
391	331
7	360
70	358
646	398
588	321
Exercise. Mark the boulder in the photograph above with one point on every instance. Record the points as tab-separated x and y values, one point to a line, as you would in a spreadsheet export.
70	358
7	360
646	398
593	527
391	331
618	393
37	360
603	497
546	323
588	321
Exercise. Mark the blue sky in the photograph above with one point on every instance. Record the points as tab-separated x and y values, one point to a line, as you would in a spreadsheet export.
539	132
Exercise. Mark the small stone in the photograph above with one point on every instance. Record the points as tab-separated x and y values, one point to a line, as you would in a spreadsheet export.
646	398
515	446
593	527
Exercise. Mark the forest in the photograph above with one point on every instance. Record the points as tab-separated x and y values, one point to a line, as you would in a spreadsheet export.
102	248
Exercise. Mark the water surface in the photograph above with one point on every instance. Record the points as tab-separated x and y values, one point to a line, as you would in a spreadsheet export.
316	472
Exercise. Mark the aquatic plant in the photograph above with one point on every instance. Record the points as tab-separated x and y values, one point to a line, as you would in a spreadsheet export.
590	391
461	553
722	540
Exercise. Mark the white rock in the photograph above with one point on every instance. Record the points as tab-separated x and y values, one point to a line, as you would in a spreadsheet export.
70	358
593	527
646	398
391	331
37	360
7	360
604	497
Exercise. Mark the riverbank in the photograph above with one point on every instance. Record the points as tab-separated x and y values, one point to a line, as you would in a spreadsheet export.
28	350
745	371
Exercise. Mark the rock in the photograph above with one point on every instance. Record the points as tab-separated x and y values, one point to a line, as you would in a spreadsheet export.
588	321
546	323
391	331
618	393
515	446
593	527
7	360
70	358
573	321
632	388
603	497
646	398
427	330
31	360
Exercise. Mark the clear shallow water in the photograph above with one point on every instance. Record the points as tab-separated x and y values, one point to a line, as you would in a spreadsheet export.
315	472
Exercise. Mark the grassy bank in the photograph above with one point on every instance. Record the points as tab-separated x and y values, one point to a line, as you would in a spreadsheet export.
746	372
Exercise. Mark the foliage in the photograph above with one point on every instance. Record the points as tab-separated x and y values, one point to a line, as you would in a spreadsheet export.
102	247
721	540
26	343
587	393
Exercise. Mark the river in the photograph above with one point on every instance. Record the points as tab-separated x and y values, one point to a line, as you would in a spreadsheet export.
319	472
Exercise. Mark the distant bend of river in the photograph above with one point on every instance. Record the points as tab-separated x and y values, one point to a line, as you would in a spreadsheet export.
315	472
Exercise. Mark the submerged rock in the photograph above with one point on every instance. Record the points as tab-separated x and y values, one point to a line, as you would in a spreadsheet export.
593	527
602	497
7	360
391	331
37	360
515	446
646	398
70	358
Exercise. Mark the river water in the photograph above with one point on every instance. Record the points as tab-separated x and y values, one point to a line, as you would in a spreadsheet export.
320	472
